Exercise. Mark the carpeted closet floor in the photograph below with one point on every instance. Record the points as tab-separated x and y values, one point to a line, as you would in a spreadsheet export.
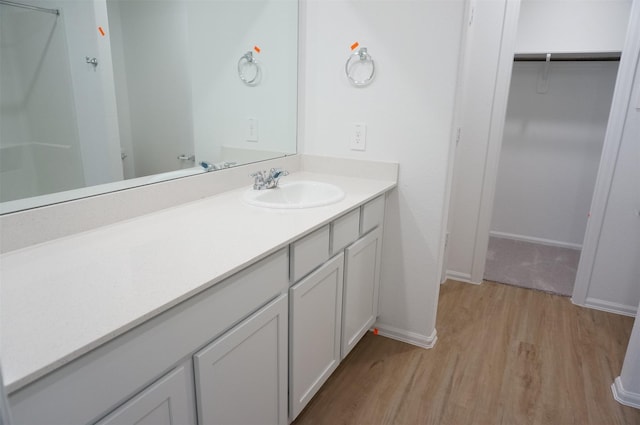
530	265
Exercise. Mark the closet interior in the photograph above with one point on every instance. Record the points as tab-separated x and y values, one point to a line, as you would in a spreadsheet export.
558	108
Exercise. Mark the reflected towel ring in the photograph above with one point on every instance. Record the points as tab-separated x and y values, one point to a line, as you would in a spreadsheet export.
247	60
363	58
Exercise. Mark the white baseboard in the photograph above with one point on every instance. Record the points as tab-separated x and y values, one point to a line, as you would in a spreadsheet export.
625	310
460	277
409	337
532	239
623	396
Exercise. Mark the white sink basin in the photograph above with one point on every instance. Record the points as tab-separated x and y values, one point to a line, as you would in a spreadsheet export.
298	194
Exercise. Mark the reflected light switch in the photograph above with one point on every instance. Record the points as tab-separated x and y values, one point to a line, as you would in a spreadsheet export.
252	130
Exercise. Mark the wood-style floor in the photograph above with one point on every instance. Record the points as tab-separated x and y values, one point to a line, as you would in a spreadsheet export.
504	355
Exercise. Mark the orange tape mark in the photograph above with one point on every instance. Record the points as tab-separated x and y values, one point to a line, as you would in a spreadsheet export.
101	31
355	45
375	331
257	49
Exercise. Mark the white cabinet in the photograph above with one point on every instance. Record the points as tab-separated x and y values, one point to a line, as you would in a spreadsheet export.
91	387
255	364
315	326
241	378
361	284
169	401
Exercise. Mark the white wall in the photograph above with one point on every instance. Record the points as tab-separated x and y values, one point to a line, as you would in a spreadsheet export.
94	106
615	277
551	26
551	150
626	388
220	33
121	91
481	66
408	110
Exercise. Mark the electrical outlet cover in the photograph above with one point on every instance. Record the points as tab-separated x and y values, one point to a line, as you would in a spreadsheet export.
359	136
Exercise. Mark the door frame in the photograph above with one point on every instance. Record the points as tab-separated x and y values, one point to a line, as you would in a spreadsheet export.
621	98
613	138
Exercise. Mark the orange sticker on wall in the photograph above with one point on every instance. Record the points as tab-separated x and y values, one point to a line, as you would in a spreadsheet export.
101	31
355	45
257	49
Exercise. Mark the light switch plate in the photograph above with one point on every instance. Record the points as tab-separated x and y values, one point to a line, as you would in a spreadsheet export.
252	129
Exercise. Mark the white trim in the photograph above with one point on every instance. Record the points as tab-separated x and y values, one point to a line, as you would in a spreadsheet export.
456	127
460	277
597	304
623	396
409	337
612	141
541	241
496	130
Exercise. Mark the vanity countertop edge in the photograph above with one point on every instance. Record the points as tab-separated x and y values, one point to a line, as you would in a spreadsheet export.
126	273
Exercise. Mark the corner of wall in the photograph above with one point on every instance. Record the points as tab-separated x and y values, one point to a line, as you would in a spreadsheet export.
413	338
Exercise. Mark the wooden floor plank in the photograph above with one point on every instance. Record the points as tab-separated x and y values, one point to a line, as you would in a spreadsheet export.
505	355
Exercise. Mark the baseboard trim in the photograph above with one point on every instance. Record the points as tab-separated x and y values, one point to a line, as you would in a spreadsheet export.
541	241
623	396
460	277
623	309
409	337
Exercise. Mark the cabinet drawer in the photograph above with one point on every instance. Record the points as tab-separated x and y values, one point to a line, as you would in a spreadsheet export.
372	214
309	252
345	230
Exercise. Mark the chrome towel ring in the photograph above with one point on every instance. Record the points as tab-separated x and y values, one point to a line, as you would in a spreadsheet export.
358	61
249	69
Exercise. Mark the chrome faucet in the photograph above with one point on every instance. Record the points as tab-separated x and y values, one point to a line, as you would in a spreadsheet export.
267	180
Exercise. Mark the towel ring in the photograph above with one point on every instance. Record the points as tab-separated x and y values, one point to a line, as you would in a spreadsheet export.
363	58
247	60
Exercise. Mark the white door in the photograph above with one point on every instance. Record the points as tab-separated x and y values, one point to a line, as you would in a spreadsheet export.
316	312
361	283
241	377
167	402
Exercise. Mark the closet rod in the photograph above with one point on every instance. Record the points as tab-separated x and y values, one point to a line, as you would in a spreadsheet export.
28	6
567	57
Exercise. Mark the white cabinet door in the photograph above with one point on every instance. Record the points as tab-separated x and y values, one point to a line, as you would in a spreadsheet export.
316	311
168	401
361	283
241	377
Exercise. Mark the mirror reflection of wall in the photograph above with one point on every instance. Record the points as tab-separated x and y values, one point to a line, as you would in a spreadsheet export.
164	96
220	33
149	49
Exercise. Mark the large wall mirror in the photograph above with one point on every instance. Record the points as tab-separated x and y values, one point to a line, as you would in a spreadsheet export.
110	94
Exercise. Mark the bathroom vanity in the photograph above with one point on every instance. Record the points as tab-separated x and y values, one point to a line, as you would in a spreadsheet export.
214	311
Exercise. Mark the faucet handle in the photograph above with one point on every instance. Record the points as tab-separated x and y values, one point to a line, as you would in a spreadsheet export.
208	166
276	173
259	180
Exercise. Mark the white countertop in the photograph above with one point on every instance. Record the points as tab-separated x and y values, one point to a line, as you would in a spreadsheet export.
63	298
